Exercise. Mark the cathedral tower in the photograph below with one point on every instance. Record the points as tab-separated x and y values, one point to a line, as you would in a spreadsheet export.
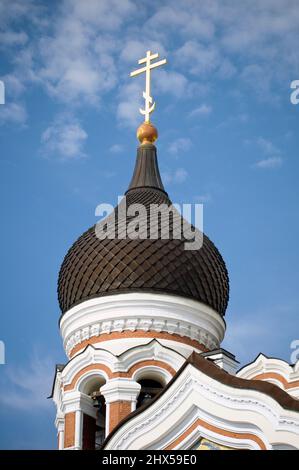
141	314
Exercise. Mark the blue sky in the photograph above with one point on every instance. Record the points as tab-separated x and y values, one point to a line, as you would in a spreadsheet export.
228	139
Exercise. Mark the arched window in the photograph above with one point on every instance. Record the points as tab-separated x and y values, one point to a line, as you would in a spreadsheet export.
94	429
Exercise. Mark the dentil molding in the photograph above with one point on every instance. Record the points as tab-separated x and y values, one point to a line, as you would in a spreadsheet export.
142	312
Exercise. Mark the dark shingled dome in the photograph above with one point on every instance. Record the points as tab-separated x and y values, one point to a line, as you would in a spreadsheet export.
94	267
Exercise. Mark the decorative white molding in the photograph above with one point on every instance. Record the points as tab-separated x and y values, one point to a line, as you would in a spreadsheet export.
59	423
152	372
153	350
120	389
73	401
115	389
266	365
143	312
196	396
57	392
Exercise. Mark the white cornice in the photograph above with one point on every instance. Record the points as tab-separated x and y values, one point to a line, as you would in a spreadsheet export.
153	350
276	367
77	401
145	312
120	389
196	396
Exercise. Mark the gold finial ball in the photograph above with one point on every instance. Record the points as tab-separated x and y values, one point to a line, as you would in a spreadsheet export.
147	133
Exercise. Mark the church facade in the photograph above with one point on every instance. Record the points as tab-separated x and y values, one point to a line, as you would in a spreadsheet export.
142	325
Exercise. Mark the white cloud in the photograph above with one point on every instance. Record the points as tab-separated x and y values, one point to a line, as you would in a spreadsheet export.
271	162
258	78
134	49
175	177
17	10
267	146
130	99
13	113
73	58
171	82
180	18
12	38
116	148
273	154
71	70
198	58
13	85
64	138
103	14
27	388
181	144
79	54
202	110
248	332
234	120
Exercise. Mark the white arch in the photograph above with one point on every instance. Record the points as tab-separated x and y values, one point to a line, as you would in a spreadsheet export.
152	372
91	381
153	350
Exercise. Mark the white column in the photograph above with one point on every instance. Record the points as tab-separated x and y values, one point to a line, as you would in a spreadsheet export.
61	440
78	429
119	389
107	419
60	430
78	403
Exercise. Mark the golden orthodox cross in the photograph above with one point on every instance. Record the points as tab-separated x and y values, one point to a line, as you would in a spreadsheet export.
149	104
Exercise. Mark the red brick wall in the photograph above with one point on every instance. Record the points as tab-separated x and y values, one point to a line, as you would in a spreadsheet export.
69	429
118	411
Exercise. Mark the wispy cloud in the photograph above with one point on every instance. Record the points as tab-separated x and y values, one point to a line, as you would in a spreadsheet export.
177	176
273	157
116	148
172	82
271	162
108	174
175	17
267	146
81	49
258	78
127	109
64	138
202	110
77	55
182	144
13	113
12	38
27	387
248	332
133	49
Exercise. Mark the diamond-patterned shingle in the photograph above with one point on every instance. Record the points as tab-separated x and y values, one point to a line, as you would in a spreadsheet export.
95	267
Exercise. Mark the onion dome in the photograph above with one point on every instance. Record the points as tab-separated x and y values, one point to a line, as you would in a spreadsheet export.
121	262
